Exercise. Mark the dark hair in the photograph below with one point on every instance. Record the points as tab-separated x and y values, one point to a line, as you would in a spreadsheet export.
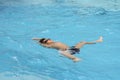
42	40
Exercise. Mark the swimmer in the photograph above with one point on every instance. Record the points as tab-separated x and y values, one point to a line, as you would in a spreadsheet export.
65	49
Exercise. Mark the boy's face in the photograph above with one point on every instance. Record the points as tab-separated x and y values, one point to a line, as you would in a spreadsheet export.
49	41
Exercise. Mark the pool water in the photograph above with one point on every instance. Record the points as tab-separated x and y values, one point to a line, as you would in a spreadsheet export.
23	59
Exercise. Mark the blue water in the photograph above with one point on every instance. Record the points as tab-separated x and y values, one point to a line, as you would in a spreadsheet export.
23	59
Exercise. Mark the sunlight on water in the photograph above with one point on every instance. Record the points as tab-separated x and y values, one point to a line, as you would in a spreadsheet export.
68	21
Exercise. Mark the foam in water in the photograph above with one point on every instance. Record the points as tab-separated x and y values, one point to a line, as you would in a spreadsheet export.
11	76
112	5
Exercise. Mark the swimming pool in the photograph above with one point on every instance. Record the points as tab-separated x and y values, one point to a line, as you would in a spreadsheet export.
61	20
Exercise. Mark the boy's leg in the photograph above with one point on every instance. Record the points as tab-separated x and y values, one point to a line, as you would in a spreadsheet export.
68	55
81	44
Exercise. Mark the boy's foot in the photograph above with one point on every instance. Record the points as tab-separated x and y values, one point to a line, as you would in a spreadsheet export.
76	59
100	39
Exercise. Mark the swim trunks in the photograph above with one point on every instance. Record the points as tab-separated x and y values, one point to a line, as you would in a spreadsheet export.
72	50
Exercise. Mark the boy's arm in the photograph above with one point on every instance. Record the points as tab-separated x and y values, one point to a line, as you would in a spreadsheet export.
37	39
